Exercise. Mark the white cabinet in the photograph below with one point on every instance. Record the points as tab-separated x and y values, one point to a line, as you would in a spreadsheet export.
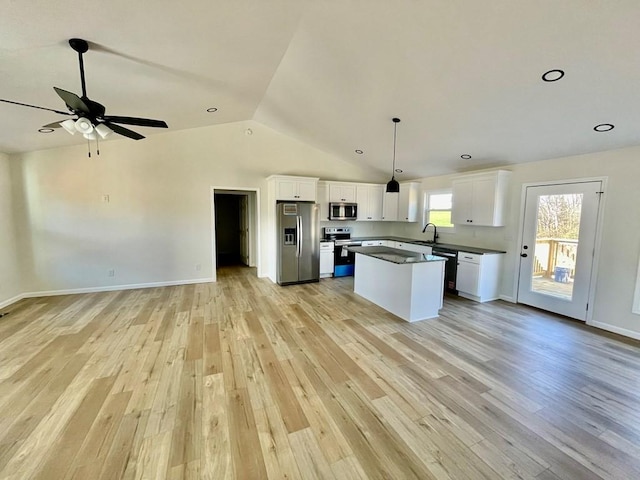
403	206
326	259
323	200
408	202
342	192
390	207
480	199
478	276
369	200
301	189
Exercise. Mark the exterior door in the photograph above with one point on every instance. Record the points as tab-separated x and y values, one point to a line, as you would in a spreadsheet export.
558	246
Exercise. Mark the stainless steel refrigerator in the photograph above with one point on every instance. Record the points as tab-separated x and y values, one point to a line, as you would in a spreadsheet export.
298	242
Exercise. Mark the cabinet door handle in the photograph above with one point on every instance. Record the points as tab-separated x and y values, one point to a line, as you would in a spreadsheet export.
524	255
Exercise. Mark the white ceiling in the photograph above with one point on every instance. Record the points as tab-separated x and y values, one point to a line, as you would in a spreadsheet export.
464	76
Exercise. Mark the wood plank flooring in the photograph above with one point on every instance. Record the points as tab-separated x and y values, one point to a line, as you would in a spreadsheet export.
243	379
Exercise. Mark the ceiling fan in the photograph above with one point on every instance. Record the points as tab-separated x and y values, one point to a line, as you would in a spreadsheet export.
91	120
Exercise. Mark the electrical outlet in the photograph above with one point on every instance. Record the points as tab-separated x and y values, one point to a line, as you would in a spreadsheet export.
105	198
111	273
198	267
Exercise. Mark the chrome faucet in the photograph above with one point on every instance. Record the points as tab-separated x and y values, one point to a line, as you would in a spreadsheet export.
435	231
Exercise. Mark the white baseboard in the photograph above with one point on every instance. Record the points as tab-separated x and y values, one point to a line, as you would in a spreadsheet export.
11	301
112	288
612	328
507	298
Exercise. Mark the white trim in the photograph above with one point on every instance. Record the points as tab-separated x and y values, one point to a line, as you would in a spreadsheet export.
13	300
598	240
112	288
425	207
255	226
620	331
507	298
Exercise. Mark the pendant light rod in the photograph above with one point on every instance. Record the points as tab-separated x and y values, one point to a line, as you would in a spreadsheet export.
393	186
396	121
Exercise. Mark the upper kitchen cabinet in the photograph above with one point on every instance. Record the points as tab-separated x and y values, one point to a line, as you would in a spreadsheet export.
369	200
390	207
408	202
342	192
323	200
479	199
403	206
298	189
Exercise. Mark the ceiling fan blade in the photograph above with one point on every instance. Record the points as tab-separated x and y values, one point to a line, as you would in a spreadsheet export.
73	101
53	125
142	122
35	106
124	131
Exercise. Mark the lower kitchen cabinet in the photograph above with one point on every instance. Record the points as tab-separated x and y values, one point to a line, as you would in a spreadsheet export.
478	276
326	259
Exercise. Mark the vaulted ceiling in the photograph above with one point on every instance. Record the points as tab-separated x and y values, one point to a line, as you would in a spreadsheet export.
463	76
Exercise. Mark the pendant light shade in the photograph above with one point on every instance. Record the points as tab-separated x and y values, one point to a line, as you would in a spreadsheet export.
393	186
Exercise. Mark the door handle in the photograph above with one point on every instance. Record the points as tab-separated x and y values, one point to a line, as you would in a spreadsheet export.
524	255
300	239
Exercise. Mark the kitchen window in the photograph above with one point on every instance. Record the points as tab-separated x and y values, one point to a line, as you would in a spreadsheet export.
437	208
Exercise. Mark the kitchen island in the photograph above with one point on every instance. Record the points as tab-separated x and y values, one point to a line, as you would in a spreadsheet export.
407	284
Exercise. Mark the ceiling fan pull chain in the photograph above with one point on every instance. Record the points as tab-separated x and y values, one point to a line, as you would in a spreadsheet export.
97	145
88	148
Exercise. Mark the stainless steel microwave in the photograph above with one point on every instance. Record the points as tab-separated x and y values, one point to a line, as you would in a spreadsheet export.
343	211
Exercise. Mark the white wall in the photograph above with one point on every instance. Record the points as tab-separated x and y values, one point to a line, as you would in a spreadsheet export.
157	224
10	267
618	263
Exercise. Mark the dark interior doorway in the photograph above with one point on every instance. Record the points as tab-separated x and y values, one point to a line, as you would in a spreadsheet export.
228	229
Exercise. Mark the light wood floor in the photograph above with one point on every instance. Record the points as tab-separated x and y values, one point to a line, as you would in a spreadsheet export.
244	379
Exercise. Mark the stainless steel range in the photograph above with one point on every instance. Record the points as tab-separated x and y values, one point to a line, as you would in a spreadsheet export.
344	261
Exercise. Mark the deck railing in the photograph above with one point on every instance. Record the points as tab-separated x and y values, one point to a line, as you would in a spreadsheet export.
554	252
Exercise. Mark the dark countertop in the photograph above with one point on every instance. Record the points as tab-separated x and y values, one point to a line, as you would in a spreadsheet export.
445	246
394	255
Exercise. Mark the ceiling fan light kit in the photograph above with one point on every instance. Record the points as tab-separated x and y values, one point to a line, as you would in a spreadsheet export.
83	126
393	186
103	130
69	125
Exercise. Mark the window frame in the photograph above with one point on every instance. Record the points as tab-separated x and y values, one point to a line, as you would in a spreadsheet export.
426	209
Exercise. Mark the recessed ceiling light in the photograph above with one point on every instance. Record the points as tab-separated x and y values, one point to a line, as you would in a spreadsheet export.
553	75
466	156
603	127
212	109
46	130
398	170
359	152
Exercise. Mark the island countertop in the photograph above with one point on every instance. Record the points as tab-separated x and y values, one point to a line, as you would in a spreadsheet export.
395	255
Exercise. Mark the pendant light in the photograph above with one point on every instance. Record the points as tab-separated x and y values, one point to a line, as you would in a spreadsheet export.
393	186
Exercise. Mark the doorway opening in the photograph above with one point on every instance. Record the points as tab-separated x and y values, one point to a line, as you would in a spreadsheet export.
235	227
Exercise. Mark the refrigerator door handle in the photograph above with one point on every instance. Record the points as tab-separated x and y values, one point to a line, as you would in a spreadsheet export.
300	239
